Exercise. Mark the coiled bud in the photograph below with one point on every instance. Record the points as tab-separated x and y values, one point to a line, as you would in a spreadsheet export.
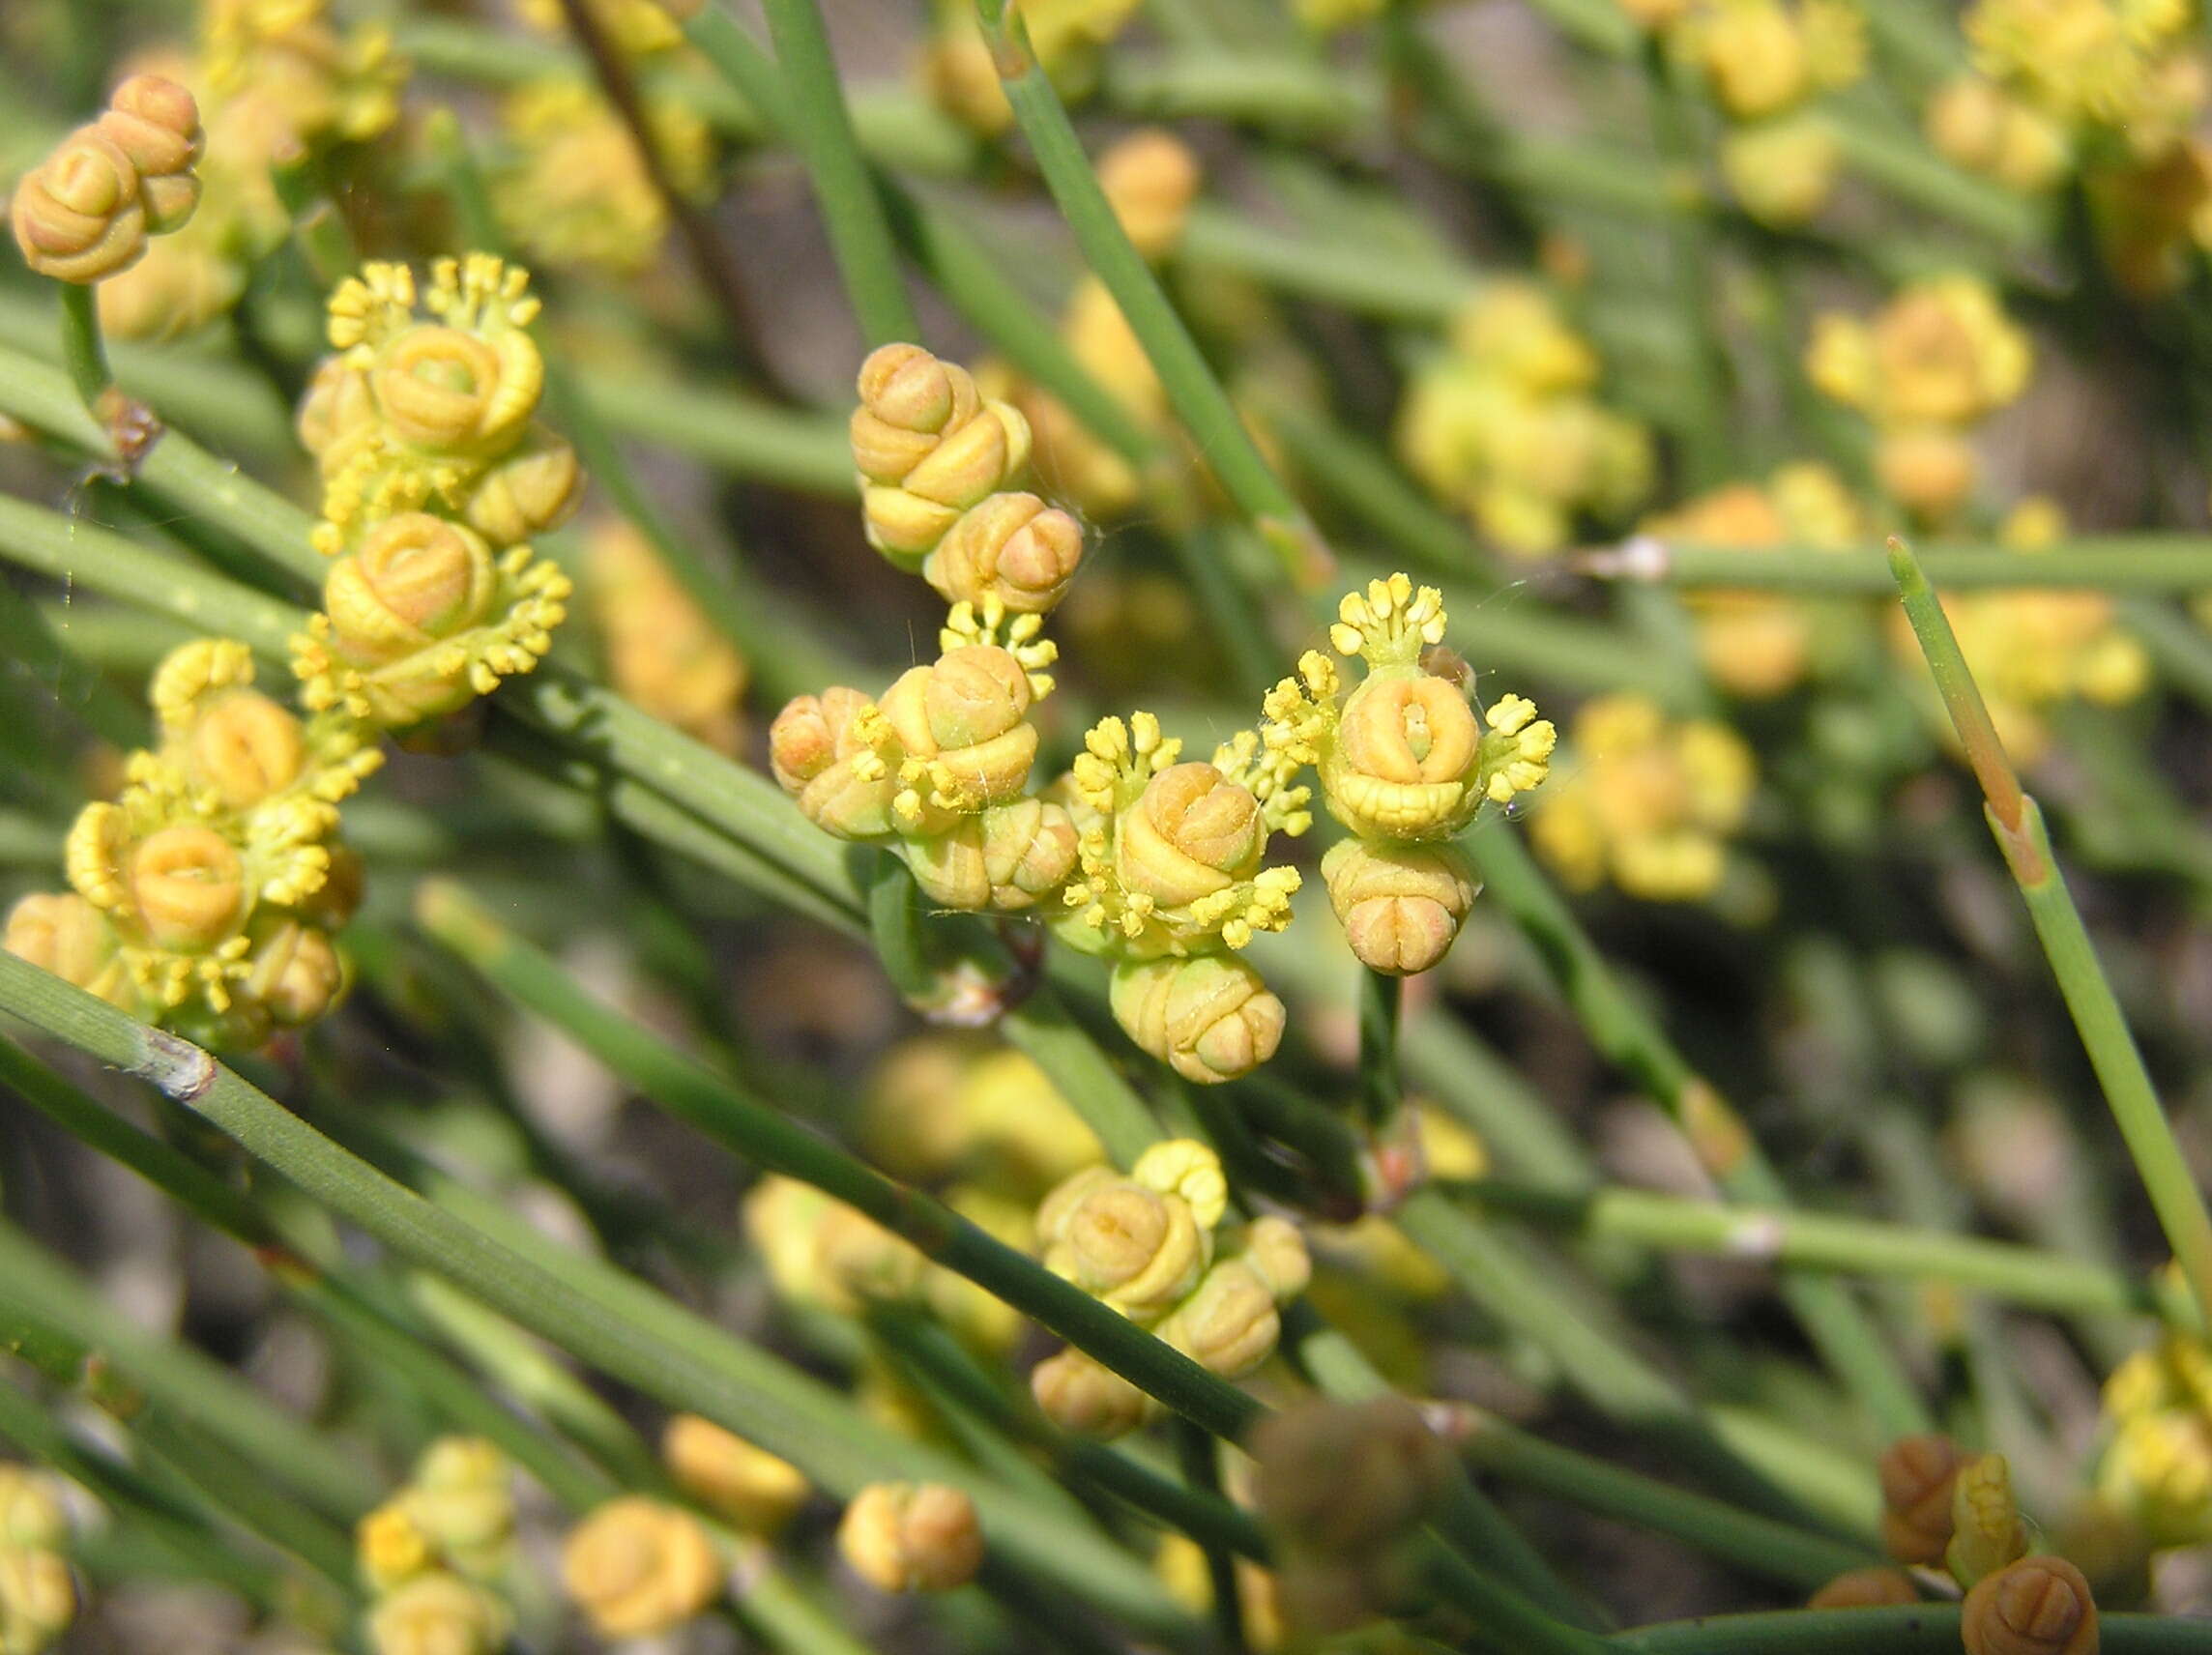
1210	1018
910	1537
245	746
187	887
1230	1324
438	1614
449	390
1192	833
416	580
1011	546
1404	761
817	751
753	1489
1866	1589
156	124
927	447
296	973
1400	905
533	489
1918	1474
1005	859
1080	1394
637	1567
1134	1248
62	932
78	215
1150	178
2037	1606
964	717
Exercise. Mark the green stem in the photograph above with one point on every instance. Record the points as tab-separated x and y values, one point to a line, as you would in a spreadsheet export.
1421	290
1381	1092
854	213
1706	437
1191	387
1905	1629
2150	563
2018	824
82	347
1042	1029
1198	1457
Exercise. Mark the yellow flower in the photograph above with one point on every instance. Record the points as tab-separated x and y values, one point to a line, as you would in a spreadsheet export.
637	1567
1782	171
748	1486
1941	354
911	1537
2157	1463
1975	124
391	1547
1756	57
1150	177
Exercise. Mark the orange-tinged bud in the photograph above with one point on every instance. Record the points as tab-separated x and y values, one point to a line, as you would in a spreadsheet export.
1866	1589
1400	905
187	887
2038	1606
62	932
927	447
246	747
78	215
535	488
911	1537
157	125
637	1567
1192	833
1210	1018
1080	1394
842	785
1150	178
1403	764
416	579
1917	1476
752	1488
964	713
1011	546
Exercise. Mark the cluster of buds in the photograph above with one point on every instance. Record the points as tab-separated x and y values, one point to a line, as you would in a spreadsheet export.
1940	359
37	1594
574	189
1405	762
1150	179
639	1567
2157	1462
1944	1507
751	1489
432	1554
435	476
84	213
1065	36
911	1537
1765	64
1647	801
1344	1489
1761	644
1147	1244
205	896
1505	425
662	653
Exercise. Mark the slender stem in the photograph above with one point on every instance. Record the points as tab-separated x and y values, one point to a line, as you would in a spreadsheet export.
1191	387
82	347
1907	1629
2018	824
1199	1456
1706	438
1824	1242
823	128
1043	1030
1381	1092
321	232
2150	563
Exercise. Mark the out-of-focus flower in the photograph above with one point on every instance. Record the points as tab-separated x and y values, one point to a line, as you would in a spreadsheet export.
662	651
910	1537
637	1567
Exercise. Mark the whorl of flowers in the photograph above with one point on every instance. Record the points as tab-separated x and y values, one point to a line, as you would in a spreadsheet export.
84	213
434	476
204	897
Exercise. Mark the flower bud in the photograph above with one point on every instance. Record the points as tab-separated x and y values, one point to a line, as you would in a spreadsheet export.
1150	178
296	974
1080	1394
62	932
31	1518
533	489
1010	546
461	1501
1348	1478
38	1598
1029	852
1192	833
446	391
1400	905
416	580
927	447
1918	1474
1866	1589
749	1487
1210	1018
338	404
1403	763
188	888
1229	1325
245	746
1756	55
1986	1529
78	215
438	1614
391	1547
2037	1606
1134	1248
1927	470
842	785
966	711
662	651
637	1567
157	125
911	1537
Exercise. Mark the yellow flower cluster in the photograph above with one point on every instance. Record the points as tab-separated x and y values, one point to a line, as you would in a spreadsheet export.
1647	802
205	897
2157	1464
1504	425
662	653
84	213
37	1595
1938	360
1066	35
1405	762
1766	63
1763	643
435	476
573	188
640	1567
279	84
1146	1243
431	1554
911	1537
